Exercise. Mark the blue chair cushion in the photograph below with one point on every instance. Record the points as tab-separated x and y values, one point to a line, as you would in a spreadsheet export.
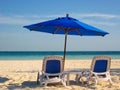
53	66
100	66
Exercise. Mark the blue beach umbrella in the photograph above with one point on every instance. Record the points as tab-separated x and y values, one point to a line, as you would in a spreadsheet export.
68	26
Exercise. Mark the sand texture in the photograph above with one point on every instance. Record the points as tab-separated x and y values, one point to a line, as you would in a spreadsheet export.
22	75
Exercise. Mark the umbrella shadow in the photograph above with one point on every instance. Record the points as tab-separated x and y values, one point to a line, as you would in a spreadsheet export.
30	84
3	79
25	84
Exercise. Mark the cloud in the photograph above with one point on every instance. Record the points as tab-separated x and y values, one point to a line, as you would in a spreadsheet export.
99	15
15	20
94	18
24	19
99	18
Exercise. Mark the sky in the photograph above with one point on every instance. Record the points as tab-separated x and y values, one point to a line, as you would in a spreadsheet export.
14	14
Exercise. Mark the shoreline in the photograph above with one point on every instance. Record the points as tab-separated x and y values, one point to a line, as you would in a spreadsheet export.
42	59
77	55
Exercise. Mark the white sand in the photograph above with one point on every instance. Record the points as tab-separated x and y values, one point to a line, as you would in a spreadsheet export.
22	75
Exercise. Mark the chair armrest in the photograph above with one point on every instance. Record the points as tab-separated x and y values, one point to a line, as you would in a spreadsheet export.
48	74
102	73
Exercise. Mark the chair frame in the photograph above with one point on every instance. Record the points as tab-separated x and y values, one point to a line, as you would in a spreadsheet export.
97	74
44	78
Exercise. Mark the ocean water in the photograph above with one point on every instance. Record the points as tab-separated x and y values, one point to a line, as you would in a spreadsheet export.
71	55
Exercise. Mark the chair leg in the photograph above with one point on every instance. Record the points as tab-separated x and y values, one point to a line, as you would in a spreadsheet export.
96	81
88	81
110	81
45	83
38	77
64	83
41	81
77	78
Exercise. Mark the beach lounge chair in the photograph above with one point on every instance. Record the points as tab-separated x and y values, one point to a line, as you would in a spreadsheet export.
52	71
100	69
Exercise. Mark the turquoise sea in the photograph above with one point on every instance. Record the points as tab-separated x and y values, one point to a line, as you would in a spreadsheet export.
73	55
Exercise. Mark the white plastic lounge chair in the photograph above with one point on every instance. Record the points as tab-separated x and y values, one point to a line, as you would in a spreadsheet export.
52	71
100	69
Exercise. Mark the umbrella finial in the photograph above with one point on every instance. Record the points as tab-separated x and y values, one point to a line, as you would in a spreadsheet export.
67	15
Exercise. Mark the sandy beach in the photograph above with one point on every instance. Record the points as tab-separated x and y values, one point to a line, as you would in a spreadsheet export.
22	75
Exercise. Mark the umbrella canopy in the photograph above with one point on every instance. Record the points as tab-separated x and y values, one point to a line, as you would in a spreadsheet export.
68	26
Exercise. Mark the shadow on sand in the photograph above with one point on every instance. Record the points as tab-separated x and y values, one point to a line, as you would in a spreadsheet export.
3	79
31	85
25	84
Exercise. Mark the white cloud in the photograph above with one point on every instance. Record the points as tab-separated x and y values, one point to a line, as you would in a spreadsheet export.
95	22
98	15
99	18
18	19
94	18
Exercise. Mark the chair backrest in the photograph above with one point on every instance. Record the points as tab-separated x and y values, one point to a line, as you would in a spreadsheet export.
101	64
52	64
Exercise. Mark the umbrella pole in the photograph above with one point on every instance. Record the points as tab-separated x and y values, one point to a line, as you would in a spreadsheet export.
65	47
